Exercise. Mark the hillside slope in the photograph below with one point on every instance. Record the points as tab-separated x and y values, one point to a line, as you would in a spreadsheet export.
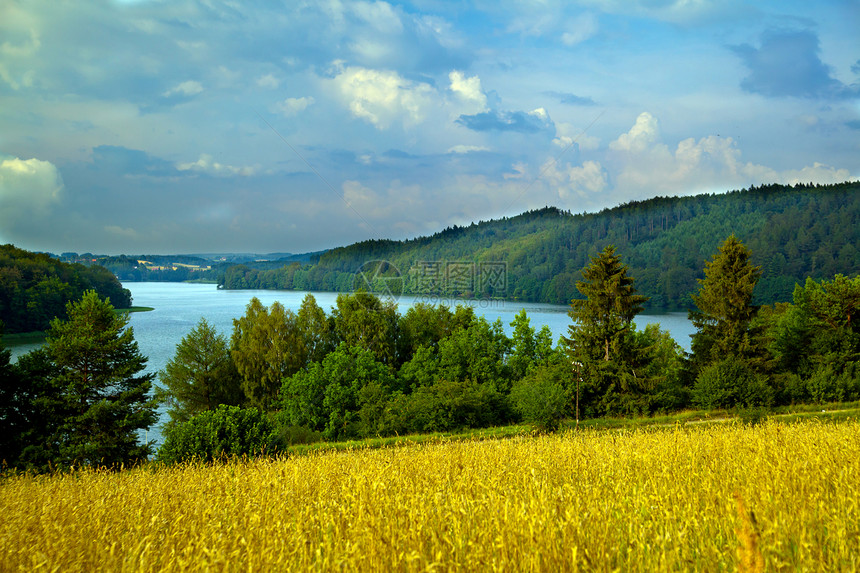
793	232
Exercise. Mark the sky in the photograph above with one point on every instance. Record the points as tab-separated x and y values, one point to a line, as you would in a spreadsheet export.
200	126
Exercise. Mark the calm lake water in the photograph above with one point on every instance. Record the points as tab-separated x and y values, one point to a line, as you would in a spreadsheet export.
179	307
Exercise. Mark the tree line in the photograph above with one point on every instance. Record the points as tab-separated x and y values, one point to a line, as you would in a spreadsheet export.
794	232
35	288
364	369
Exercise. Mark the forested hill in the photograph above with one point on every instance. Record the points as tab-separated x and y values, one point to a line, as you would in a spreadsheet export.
793	232
35	287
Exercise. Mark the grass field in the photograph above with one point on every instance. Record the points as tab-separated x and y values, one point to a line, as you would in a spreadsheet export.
720	497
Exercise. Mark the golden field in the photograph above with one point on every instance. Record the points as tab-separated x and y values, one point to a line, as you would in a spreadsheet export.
720	498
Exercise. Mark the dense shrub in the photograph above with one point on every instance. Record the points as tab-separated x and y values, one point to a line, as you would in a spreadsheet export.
828	384
730	383
225	432
541	397
447	406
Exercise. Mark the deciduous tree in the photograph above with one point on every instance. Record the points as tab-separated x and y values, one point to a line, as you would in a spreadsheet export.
267	346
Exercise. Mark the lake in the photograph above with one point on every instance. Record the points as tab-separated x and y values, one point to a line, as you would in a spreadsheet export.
179	307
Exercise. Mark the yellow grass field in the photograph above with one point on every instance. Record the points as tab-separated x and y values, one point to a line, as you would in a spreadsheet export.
772	497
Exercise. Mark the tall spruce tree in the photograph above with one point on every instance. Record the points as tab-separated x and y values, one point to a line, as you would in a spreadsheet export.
724	319
600	342
100	384
729	360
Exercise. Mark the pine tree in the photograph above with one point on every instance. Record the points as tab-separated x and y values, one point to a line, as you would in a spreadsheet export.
725	311
730	360
200	376
101	386
600	341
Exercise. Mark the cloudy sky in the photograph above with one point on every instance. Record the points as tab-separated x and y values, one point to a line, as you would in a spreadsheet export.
180	126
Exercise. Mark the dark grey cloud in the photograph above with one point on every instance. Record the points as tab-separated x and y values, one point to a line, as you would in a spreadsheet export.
516	121
787	64
571	99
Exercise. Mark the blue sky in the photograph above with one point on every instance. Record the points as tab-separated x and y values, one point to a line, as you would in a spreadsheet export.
185	126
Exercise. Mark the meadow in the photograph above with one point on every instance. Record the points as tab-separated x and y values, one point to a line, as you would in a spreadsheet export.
724	497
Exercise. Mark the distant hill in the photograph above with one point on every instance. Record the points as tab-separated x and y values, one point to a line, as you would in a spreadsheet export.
35	287
793	232
179	268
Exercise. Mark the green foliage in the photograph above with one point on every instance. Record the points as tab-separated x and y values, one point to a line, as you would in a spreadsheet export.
816	341
200	376
528	349
447	405
224	432
267	346
601	344
424	325
99	393
731	383
724	319
477	353
661	362
15	408
330	396
34	413
363	320
317	330
35	288
833	382
542	397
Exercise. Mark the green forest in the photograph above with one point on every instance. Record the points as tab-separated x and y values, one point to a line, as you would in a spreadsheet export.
365	370
35	288
794	232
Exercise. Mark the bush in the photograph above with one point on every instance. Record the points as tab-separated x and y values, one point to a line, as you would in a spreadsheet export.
827	384
730	383
541	398
447	406
225	432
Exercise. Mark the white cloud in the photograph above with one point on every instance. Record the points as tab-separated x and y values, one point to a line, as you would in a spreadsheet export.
186	88
816	173
566	134
294	105
268	81
579	29
582	180
380	15
383	97
644	166
205	164
28	187
640	137
17	55
467	148
469	90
